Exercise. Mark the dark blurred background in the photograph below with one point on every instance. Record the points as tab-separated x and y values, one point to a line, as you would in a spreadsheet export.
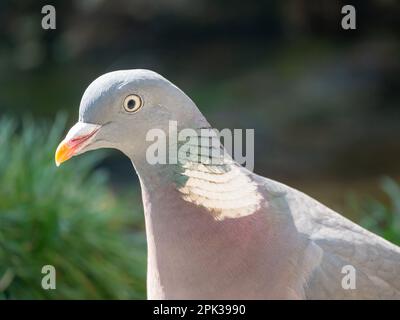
324	101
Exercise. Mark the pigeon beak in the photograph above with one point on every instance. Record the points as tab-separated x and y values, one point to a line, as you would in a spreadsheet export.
78	137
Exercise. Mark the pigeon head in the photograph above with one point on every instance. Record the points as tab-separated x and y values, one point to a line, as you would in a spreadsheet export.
119	108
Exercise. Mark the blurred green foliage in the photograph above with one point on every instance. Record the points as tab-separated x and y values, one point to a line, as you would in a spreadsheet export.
382	218
66	217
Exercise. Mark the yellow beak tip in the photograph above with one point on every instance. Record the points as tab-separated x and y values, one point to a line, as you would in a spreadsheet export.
63	153
77	138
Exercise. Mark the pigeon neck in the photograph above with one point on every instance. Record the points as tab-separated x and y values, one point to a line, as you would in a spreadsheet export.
199	211
204	175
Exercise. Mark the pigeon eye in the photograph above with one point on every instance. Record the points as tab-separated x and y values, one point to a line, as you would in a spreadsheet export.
132	103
